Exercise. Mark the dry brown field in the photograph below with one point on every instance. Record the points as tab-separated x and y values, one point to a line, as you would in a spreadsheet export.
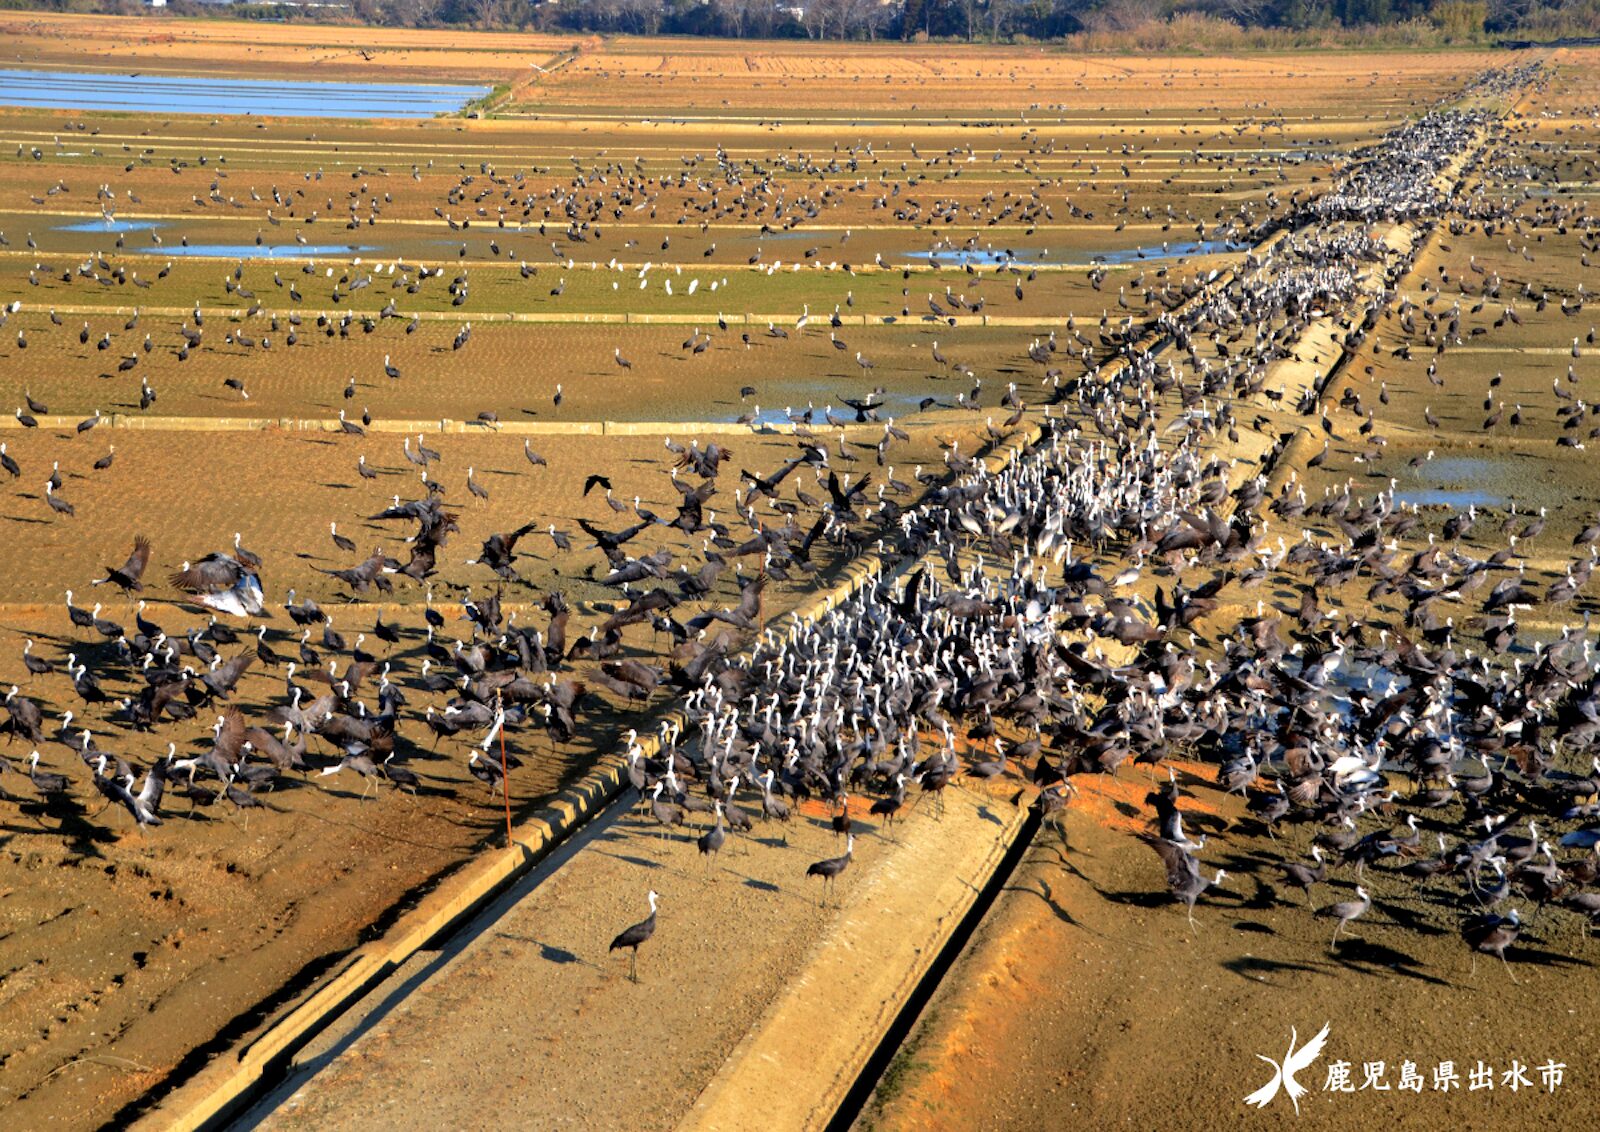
250	48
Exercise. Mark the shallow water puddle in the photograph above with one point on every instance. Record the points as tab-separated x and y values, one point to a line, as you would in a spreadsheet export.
1037	257
261	251
1462	480
1444	497
172	94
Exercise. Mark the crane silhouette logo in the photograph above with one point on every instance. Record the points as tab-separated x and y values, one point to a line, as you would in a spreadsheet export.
1283	1072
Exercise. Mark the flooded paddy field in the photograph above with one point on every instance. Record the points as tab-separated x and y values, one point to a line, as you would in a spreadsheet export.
170	94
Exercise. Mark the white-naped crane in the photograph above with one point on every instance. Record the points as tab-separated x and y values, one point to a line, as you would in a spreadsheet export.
47	783
357	759
57	504
1183	872
251	560
343	542
711	841
221	582
36	666
25	716
773	808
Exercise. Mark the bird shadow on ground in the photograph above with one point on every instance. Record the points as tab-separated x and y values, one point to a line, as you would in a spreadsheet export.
1537	957
1242	863
1375	959
1410	920
1190	779
1251	927
355	795
1254	827
1264	899
82	843
642	862
1257	969
1140	898
549	952
989	815
81	834
1048	896
1070	868
428	790
1206	823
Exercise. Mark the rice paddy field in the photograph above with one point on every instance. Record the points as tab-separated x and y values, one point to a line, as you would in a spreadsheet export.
244	331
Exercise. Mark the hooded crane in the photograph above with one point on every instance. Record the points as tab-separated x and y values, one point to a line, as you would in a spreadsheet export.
128	576
632	937
1183	873
830	868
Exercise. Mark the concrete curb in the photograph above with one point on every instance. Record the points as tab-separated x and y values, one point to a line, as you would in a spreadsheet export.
215	1091
213	1094
766	1082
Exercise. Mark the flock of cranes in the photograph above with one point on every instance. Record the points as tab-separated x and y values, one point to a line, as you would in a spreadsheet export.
1317	714
1061	616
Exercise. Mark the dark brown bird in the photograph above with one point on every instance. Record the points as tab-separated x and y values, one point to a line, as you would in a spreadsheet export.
1491	935
830	868
632	937
128	576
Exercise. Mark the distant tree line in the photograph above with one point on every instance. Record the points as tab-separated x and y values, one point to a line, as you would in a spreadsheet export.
1196	23
982	19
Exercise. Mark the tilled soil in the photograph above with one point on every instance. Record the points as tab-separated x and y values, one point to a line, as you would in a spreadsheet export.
1086	996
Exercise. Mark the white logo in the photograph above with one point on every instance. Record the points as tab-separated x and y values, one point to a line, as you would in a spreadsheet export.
1283	1074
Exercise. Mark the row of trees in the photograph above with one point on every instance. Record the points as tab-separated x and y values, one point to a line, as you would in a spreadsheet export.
975	19
1193	23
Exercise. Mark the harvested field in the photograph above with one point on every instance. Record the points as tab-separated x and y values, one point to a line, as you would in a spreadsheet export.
246	48
801	80
684	269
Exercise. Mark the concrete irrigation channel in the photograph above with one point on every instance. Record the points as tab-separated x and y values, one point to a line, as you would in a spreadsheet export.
758	1006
